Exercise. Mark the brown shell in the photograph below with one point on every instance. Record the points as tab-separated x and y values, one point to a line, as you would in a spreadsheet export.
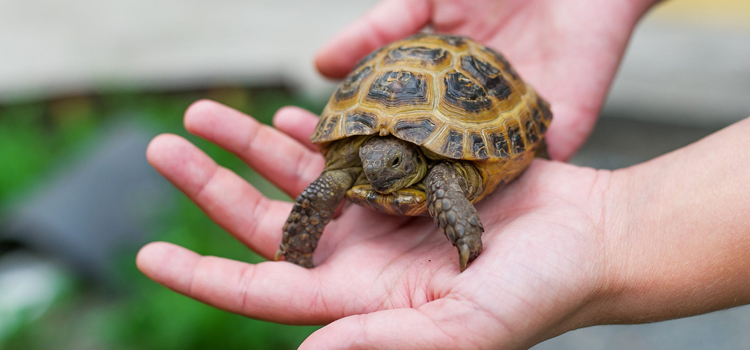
452	96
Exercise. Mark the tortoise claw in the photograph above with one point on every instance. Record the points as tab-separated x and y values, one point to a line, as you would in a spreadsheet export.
279	254
464	253
453	212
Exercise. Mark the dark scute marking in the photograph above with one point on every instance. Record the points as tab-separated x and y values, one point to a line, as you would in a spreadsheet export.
453	40
360	124
501	59
531	133
454	145
536	115
538	119
478	148
489	76
428	56
546	112
395	88
542	128
351	84
516	139
325	128
414	130
500	144
367	58
462	92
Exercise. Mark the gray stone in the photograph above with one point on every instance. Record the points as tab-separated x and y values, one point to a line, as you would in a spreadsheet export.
95	208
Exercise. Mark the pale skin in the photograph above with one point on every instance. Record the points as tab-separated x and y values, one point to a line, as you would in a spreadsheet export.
564	247
568	50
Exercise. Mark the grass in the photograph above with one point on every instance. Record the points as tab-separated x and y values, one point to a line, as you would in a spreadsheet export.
143	315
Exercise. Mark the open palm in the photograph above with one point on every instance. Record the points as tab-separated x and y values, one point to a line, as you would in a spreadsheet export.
568	50
390	281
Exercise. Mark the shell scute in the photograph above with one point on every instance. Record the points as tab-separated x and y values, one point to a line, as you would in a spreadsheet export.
502	62
367	60
530	129
498	142
454	41
478	146
517	143
350	86
414	129
453	146
489	77
451	96
327	128
397	88
360	123
422	56
463	97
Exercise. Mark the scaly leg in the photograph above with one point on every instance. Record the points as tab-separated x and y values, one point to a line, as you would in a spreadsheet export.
453	212
312	211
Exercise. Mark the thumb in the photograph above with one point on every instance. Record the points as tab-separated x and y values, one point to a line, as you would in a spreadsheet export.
389	21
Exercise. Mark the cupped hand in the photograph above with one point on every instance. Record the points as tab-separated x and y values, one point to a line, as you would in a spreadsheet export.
384	282
568	50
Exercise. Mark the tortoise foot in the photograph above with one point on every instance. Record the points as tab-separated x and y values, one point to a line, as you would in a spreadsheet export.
301	259
454	213
312	211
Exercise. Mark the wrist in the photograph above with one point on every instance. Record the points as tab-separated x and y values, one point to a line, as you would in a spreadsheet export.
610	285
604	283
622	261
676	235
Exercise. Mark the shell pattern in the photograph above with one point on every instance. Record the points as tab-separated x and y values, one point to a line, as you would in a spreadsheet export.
452	96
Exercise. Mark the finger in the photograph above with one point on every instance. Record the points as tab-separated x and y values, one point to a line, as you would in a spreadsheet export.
389	21
297	123
225	197
273	291
393	329
285	162
568	132
300	123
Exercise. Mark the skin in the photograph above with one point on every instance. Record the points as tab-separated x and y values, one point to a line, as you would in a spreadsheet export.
568	50
565	247
391	164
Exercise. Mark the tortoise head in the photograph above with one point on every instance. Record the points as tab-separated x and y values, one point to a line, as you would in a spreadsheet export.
391	164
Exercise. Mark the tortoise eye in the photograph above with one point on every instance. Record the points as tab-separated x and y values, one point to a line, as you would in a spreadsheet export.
396	162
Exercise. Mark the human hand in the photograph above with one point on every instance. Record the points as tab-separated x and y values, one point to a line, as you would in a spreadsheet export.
565	247
567	50
384	281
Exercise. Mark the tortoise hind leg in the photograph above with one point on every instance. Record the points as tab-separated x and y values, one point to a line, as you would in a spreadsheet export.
312	211
453	212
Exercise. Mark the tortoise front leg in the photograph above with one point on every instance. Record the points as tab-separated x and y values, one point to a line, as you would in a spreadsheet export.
453	212
312	211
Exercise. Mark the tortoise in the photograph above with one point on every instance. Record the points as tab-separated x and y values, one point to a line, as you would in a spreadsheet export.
429	124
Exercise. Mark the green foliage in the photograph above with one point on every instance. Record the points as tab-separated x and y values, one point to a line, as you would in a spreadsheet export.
24	154
144	315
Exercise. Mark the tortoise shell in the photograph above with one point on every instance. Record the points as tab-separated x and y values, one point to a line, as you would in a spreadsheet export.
452	96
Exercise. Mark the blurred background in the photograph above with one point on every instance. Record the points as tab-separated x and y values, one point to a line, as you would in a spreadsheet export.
84	85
